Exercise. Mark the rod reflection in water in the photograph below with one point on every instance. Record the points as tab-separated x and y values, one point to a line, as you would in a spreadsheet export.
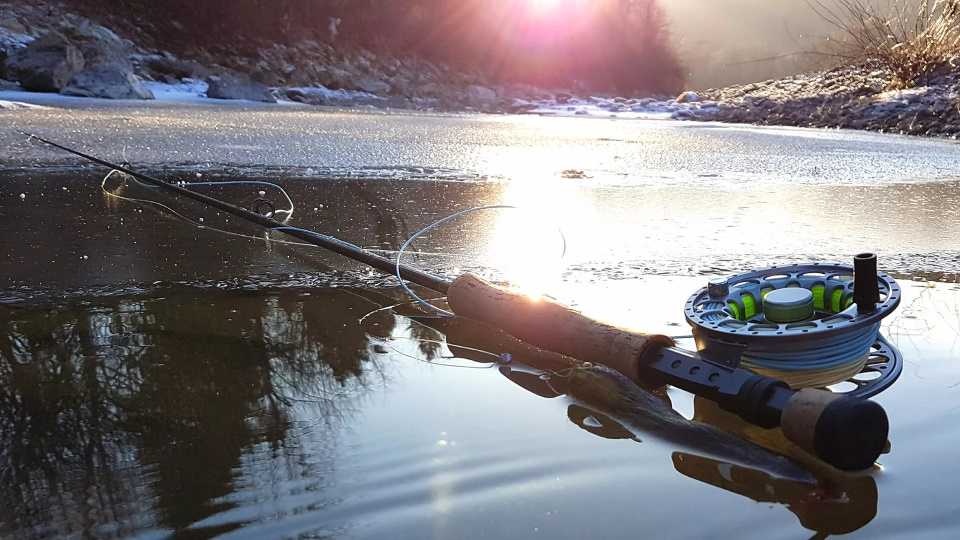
824	499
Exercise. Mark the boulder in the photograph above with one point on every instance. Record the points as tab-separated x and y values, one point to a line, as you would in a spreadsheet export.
158	66
480	96
688	97
230	87
110	81
99	44
45	65
563	97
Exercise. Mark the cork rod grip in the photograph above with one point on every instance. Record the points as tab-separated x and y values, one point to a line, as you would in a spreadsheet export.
550	325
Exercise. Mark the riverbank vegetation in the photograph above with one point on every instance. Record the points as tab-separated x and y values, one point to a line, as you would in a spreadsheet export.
910	38
597	45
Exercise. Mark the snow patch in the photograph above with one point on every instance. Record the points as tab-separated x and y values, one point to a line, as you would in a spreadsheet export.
345	95
4	104
186	90
637	109
12	40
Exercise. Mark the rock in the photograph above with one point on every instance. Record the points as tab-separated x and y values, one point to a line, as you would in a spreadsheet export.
563	98
325	77
267	78
518	106
431	90
371	85
305	95
688	97
98	44
339	79
401	86
479	96
398	102
230	87
174	67
10	23
45	65
13	35
110	81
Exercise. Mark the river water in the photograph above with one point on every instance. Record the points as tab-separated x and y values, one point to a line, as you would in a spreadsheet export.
167	371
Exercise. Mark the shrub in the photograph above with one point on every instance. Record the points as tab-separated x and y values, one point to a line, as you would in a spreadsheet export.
910	38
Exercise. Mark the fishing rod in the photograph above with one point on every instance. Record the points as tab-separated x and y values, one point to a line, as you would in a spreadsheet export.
383	264
845	431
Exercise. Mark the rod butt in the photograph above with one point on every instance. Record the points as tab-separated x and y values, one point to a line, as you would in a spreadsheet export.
846	432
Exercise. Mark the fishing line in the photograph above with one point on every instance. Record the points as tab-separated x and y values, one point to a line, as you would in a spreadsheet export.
499	358
188	220
502	358
231	233
258	202
387	308
126	177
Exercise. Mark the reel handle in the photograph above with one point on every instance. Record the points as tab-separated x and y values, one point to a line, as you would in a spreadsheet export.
846	432
550	325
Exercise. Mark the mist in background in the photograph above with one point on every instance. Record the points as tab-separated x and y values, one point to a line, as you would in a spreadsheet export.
724	42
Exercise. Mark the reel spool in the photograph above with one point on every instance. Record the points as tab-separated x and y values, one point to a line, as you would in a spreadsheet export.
806	322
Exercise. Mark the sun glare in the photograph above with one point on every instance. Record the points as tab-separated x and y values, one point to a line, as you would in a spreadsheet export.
544	4
527	243
540	9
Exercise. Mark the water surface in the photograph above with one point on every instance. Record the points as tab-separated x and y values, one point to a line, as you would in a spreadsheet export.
182	374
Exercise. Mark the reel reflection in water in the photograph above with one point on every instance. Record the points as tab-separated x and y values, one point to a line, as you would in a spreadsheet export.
807	324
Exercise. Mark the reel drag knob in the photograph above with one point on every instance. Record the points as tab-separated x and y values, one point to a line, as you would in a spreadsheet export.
788	305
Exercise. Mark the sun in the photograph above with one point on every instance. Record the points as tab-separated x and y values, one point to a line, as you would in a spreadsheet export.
543	5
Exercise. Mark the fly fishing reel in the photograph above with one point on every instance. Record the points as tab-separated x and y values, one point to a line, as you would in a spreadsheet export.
810	325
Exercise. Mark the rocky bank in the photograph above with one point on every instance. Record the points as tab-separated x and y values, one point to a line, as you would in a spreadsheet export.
49	50
44	49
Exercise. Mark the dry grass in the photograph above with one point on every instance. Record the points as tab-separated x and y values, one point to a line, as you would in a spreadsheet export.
909	37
